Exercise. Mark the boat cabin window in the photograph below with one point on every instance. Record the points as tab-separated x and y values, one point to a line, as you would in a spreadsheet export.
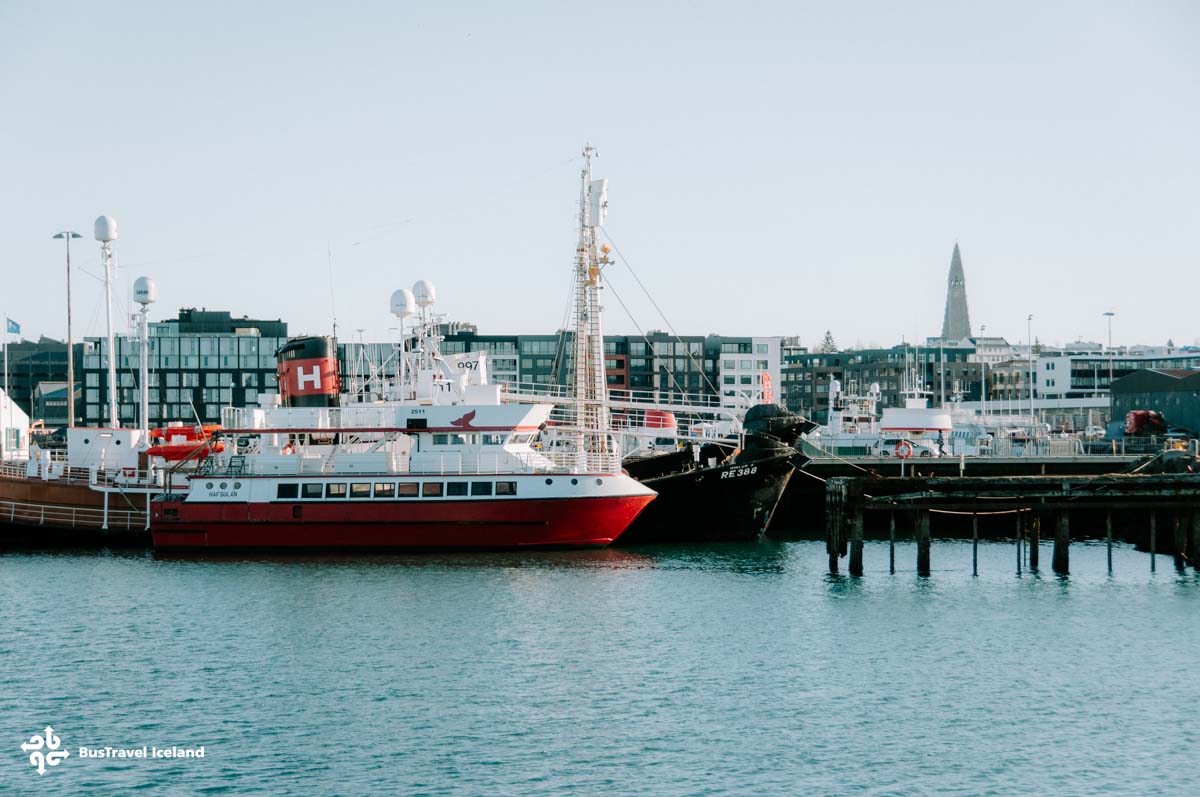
385	490
416	423
506	488
311	490
451	439
335	490
481	488
431	488
287	491
360	490
456	488
493	439
406	489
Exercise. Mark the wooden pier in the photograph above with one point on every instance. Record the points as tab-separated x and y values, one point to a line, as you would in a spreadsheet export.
1143	502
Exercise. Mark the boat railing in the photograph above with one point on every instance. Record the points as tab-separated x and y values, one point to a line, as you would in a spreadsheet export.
22	513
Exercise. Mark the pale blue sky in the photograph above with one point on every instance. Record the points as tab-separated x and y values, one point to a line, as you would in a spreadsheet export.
775	168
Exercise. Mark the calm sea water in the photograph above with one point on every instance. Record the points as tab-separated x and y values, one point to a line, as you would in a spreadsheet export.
657	671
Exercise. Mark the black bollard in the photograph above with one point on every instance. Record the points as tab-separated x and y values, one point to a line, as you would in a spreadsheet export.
1062	540
922	542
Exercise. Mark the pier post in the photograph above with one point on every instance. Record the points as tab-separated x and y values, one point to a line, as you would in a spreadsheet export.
892	543
922	542
1018	535
835	504
856	539
1153	541
1179	534
1062	540
974	545
1108	534
1035	539
1194	550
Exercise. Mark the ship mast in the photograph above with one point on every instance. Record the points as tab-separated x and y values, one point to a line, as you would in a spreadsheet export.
591	407
106	233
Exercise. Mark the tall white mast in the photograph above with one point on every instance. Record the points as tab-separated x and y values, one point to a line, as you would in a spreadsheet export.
591	406
145	293
106	233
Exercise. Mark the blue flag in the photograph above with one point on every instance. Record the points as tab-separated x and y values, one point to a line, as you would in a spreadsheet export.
13	327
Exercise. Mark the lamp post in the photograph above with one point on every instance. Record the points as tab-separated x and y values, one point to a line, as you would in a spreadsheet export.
67	235
983	364
1029	339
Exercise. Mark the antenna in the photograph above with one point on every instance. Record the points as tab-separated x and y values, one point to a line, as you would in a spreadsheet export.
332	303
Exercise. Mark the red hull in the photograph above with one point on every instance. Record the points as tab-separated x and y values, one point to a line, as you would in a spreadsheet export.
558	523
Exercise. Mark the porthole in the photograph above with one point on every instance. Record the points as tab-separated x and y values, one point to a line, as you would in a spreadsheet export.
118	442
549	481
224	485
86	441
237	485
599	481
574	481
208	486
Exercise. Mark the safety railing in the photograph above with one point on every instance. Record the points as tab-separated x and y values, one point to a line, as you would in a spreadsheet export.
22	513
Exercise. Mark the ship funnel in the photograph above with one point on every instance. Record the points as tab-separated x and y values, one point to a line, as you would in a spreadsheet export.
307	369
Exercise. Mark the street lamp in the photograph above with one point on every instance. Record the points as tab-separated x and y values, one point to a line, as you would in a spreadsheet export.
67	235
1029	340
983	366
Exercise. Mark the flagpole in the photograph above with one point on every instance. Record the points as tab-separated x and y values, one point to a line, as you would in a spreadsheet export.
7	397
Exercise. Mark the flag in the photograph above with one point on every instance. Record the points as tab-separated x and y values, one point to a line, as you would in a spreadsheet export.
13	327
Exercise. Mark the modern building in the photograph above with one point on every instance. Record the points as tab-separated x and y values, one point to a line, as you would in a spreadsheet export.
1175	392
201	361
33	362
50	403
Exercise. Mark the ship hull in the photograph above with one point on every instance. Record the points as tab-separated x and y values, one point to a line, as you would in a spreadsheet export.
40	508
502	524
724	503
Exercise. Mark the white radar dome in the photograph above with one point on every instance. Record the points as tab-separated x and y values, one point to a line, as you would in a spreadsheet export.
145	291
106	229
424	293
404	303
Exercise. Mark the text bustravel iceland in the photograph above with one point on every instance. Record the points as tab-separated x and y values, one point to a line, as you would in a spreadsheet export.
145	751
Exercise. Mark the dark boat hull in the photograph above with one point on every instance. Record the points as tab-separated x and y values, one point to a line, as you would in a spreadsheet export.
728	502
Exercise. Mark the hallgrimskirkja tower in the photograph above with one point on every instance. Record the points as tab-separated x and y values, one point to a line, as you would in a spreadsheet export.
957	323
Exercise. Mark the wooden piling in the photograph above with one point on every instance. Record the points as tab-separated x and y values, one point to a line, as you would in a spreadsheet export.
856	539
1061	563
1019	521
1035	539
923	542
1179	534
892	542
1194	549
1153	541
835	505
974	545
1108	537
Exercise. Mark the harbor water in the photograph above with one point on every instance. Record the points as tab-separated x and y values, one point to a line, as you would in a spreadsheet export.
693	670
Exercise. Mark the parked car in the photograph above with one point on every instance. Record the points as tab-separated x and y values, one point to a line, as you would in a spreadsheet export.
1094	433
888	447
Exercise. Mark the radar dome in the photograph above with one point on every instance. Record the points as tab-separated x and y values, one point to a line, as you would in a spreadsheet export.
424	293
145	291
404	303
106	229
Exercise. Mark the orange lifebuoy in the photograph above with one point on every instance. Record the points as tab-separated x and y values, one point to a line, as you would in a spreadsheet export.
904	449
288	449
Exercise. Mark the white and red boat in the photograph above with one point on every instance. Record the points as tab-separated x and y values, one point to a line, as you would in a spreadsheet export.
398	476
440	461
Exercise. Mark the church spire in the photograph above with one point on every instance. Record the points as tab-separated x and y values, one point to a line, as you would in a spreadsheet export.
957	323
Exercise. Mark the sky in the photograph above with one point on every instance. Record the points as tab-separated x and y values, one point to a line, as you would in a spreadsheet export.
774	168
